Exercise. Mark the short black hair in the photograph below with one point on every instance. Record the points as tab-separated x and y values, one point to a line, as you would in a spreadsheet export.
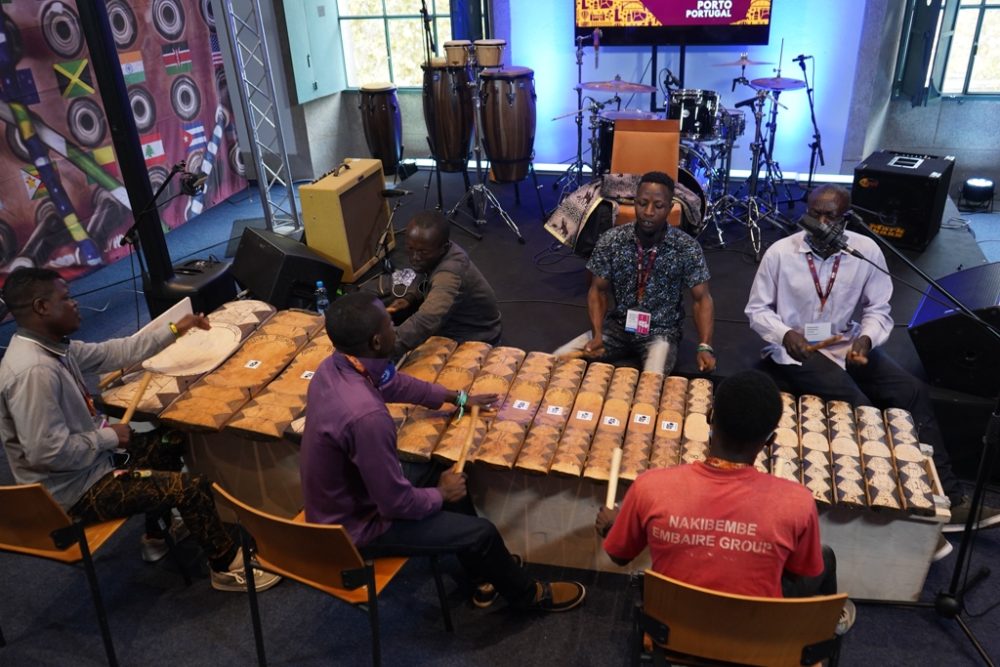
839	190
747	408
26	284
435	220
352	320
656	177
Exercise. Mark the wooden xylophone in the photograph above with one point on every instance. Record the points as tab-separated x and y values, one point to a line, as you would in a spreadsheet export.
564	417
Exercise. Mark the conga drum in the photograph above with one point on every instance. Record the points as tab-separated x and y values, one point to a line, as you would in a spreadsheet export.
457	52
489	52
448	114
382	124
508	103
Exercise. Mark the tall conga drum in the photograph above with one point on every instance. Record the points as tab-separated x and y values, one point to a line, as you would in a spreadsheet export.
382	124
448	114
508	103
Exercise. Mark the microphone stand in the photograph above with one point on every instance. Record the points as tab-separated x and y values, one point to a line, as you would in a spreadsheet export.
383	241
951	603
131	236
816	146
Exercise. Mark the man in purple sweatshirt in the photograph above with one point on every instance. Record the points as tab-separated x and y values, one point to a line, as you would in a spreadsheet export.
351	474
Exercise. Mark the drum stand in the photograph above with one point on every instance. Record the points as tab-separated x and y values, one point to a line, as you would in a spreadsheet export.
755	209
478	196
573	177
774	176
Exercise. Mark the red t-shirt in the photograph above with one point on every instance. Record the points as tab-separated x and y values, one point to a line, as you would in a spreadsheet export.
727	530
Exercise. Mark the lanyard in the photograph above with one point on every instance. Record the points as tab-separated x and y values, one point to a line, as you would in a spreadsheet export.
359	367
88	399
815	276
722	464
645	259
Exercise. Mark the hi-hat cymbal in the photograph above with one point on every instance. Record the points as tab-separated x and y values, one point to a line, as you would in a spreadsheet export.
617	86
778	83
743	62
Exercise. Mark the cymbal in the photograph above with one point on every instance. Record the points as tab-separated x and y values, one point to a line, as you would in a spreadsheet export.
778	83
742	62
617	86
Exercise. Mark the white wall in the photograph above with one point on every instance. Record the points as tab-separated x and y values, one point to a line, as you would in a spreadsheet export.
541	37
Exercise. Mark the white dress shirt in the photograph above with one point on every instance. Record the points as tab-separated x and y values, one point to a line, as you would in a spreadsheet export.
783	296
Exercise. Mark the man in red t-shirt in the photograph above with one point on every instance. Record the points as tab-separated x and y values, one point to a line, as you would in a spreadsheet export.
722	524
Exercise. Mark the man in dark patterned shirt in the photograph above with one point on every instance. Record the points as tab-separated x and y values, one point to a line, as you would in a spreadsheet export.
646	266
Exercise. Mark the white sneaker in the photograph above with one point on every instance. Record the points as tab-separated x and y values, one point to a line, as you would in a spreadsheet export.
155	548
235	580
847	617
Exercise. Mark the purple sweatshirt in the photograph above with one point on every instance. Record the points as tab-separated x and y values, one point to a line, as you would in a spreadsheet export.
348	463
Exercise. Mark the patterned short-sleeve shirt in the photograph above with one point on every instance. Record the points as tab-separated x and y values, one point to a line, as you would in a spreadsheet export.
679	265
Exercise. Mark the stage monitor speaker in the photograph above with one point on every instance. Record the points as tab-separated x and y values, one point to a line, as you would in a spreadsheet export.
280	270
908	190
957	352
345	216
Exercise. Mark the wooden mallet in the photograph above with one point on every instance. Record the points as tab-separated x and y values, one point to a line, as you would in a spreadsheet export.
616	465
474	416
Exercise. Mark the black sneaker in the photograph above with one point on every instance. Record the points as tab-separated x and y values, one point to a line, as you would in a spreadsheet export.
486	594
989	516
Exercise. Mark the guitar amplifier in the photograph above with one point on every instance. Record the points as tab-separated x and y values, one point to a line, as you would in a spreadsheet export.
345	216
909	192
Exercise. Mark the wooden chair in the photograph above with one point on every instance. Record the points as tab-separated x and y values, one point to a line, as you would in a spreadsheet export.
321	556
33	524
692	625
646	145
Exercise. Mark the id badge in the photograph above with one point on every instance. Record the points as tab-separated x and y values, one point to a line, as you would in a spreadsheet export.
818	331
638	322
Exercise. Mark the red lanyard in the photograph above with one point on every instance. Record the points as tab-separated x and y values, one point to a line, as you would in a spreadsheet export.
722	464
815	276
645	259
88	399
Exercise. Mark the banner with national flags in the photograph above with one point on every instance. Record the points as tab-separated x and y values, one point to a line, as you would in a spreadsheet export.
73	78
27	91
177	58
132	67
105	156
213	40
152	149
194	136
33	183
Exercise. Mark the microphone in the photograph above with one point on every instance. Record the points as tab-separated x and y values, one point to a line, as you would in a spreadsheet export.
671	80
745	103
597	44
826	237
192	184
389	194
801	59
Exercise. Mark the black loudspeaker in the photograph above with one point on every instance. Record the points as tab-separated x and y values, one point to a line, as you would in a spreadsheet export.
280	270
957	352
208	282
909	192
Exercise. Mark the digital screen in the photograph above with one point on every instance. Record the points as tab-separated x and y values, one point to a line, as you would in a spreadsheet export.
705	22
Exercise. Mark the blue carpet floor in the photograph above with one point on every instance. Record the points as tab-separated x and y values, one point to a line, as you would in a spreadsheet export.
986	228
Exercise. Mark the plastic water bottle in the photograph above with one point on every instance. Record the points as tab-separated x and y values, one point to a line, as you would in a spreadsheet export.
321	297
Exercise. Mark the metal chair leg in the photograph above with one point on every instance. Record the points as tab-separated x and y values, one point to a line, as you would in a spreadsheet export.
442	599
95	591
258	632
373	615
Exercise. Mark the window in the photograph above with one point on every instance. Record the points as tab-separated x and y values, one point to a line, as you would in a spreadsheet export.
950	47
973	59
384	39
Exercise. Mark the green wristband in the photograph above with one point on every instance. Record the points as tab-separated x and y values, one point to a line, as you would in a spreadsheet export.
705	347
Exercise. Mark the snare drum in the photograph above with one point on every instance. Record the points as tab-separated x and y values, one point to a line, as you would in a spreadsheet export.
382	124
696	111
457	52
448	115
732	123
489	52
606	133
508	102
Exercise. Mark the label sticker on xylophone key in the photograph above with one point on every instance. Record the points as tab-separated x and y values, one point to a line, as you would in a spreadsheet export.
669	426
642	419
557	410
584	415
307	375
521	405
253	363
612	421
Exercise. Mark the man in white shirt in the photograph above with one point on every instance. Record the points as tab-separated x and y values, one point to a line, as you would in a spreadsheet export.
802	303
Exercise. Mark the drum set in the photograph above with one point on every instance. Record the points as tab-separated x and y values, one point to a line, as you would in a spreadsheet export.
709	132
